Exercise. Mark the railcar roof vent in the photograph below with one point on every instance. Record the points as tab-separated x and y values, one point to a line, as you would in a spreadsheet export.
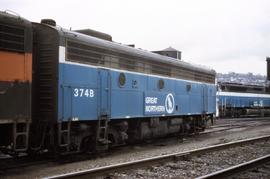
95	33
48	21
170	52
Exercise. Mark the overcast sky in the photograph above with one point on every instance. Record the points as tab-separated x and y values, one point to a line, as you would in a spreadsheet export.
226	35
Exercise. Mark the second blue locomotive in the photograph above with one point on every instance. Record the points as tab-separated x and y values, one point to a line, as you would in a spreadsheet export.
238	100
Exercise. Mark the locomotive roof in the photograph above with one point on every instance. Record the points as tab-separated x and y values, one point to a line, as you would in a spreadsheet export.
139	53
13	18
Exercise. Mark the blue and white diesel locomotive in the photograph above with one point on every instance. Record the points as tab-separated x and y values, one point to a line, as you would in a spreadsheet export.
235	100
90	93
106	93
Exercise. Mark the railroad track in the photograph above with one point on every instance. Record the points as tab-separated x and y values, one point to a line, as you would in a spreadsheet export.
231	171
237	125
239	121
103	171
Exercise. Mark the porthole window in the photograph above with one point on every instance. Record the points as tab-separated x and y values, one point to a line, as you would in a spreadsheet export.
161	84
122	79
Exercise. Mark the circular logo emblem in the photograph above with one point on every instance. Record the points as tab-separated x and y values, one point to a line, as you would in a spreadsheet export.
169	103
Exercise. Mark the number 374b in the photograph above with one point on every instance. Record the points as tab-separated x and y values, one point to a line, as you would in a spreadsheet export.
81	92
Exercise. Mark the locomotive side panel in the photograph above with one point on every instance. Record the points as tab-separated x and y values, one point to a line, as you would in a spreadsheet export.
145	99
78	93
211	98
127	95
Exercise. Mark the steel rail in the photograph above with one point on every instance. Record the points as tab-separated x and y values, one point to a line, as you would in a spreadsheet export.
220	128
237	168
102	171
228	127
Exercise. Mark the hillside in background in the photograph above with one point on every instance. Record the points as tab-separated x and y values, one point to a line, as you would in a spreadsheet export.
248	78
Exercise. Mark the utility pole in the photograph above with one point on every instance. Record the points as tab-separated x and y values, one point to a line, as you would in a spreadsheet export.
267	81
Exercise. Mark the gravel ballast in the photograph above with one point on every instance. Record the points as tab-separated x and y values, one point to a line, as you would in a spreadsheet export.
196	166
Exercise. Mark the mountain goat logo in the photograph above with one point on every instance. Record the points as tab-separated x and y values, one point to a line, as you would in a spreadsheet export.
169	103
